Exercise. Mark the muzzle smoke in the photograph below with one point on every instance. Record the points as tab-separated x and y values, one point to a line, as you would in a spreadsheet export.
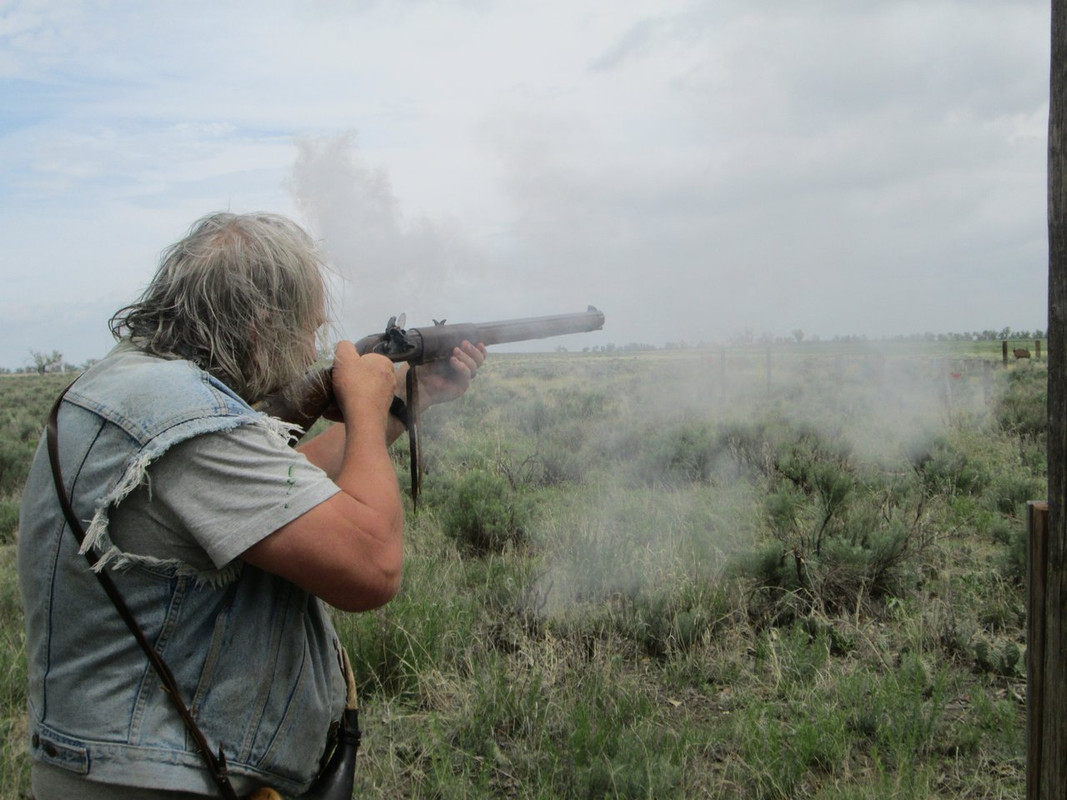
390	262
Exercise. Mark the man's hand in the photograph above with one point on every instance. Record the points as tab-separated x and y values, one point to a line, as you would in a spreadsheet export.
362	385
443	381
438	383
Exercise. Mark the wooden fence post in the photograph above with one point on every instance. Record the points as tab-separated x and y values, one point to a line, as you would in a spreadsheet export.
1036	562
1048	780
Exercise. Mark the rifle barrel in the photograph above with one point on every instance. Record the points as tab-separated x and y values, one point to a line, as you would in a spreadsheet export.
303	402
436	342
521	330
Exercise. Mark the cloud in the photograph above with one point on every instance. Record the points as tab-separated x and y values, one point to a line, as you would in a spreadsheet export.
847	171
700	168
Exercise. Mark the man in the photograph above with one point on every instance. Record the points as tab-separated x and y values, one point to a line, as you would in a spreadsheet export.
219	536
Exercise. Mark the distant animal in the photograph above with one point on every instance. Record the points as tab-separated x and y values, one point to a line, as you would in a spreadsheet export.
1021	352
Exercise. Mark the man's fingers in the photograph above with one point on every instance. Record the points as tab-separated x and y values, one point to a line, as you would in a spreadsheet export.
469	356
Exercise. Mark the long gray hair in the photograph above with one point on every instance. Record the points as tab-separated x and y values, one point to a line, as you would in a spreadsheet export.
242	296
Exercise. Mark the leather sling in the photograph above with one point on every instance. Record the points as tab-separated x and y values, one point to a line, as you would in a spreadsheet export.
216	764
333	783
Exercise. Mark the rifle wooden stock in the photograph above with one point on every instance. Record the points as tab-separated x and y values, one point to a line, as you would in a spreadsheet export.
304	402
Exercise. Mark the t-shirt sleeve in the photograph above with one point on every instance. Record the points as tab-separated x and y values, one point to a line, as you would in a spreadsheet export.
227	491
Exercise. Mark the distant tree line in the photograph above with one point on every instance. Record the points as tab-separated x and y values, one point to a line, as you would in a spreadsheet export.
749	338
43	363
975	336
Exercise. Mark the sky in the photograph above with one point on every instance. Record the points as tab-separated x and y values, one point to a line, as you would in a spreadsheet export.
699	170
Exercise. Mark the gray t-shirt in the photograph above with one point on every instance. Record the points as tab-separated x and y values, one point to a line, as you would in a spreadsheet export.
210	498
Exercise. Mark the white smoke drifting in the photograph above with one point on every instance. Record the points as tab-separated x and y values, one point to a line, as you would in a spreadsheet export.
391	263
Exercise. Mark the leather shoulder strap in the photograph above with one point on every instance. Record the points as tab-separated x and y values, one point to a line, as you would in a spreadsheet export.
216	764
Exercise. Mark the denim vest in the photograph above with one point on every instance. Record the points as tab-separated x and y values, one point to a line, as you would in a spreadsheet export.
256	657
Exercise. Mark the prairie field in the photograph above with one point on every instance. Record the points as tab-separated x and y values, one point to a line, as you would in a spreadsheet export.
769	573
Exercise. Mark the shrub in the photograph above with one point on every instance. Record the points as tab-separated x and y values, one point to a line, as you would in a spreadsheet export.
552	464
584	405
486	514
1011	491
871	562
680	454
661	623
1021	409
9	521
783	509
840	536
531	416
1015	540
947	469
15	458
748	446
563	409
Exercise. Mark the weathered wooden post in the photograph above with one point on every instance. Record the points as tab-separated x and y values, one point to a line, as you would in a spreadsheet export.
1036	705
1047	737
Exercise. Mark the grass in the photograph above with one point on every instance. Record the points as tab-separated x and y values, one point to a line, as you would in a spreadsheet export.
14	766
701	581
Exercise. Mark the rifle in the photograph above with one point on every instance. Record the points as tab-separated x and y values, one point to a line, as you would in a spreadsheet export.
304	402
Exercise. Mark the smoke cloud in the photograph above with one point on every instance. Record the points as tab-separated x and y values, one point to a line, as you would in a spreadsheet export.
390	262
